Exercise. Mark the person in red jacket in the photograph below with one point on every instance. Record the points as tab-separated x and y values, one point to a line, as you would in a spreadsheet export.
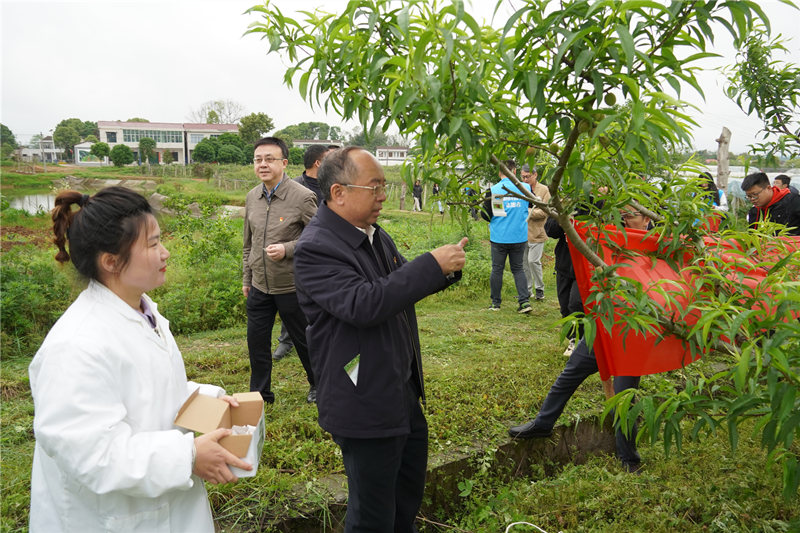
771	203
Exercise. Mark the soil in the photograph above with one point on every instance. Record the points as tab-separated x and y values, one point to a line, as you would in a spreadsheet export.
17	235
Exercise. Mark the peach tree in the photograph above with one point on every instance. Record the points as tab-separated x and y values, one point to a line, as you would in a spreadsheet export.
591	93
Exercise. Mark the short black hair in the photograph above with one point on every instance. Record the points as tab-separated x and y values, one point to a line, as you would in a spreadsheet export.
276	141
511	164
313	153
783	178
756	178
337	167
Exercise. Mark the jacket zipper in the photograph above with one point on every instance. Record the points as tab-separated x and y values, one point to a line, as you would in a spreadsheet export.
264	244
414	346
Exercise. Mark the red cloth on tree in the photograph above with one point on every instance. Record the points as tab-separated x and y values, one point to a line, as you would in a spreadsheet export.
634	354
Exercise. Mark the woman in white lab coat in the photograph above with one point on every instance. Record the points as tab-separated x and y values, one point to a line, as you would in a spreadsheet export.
107	383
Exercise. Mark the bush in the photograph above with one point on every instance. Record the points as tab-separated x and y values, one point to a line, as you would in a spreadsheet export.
229	153
100	150
34	292
205	152
204	288
121	155
296	155
203	170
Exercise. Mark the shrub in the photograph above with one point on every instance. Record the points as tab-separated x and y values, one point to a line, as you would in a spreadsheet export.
203	290
296	155
34	292
229	153
100	150
203	170
205	151
121	155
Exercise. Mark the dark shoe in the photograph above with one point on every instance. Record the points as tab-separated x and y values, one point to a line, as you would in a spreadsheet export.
529	431
312	395
282	351
539	294
494	307
632	468
524	308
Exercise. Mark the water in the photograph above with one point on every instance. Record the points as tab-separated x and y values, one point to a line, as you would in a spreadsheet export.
33	203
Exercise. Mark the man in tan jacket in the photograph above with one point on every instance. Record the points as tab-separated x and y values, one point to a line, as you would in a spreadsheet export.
276	211
532	262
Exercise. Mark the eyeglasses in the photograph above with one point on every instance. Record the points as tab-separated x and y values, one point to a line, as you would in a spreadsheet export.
377	190
268	160
754	196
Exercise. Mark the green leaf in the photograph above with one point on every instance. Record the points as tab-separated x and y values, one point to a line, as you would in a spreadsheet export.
626	41
791	478
583	59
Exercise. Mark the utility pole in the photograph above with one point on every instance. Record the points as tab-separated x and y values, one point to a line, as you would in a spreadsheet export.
44	159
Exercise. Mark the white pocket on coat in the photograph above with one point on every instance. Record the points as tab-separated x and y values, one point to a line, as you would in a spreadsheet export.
152	520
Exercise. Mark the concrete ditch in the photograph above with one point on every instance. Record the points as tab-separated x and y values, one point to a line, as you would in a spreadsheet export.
515	459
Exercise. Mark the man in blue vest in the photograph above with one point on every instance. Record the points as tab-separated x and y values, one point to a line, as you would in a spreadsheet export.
508	234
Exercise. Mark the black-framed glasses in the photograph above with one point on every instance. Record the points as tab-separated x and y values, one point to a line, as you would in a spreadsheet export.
377	190
268	160
754	196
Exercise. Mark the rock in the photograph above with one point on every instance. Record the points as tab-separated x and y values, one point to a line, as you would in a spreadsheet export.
231	211
157	203
194	210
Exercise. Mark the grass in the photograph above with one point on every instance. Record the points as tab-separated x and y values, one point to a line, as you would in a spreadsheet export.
484	372
707	488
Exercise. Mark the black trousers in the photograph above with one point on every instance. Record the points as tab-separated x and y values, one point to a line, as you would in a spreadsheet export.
569	299
581	365
261	311
386	477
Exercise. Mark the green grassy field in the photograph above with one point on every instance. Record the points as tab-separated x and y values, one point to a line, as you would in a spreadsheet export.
484	372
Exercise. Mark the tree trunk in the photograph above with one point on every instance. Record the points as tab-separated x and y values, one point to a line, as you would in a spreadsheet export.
723	171
403	196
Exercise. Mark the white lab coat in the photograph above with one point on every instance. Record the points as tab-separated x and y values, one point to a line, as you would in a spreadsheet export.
106	388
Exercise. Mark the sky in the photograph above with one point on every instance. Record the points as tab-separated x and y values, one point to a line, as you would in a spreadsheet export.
160	60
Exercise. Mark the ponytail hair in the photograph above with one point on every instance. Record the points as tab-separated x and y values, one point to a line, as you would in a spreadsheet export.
110	221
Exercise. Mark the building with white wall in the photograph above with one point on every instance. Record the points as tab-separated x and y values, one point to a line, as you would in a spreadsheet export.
305	143
391	155
179	139
45	151
83	155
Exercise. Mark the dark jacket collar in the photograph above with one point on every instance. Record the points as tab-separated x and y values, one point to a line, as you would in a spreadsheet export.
342	228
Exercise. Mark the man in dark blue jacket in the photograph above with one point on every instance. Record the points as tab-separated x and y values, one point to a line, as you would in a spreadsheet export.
358	294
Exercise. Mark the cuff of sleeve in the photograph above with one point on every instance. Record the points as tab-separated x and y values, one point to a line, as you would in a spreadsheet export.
209	390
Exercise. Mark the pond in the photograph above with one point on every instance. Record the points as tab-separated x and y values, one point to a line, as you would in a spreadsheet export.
33	203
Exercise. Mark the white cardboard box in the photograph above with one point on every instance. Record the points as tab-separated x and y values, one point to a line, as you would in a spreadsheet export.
203	414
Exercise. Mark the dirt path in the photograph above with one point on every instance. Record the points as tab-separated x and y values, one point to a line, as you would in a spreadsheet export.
16	235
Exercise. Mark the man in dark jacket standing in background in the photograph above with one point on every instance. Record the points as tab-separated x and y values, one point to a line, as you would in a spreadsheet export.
358	294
